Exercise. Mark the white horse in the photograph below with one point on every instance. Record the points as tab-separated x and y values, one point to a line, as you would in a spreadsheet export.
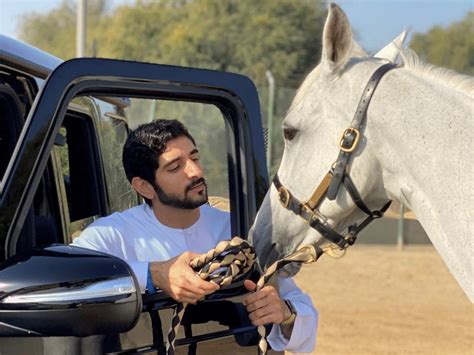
416	147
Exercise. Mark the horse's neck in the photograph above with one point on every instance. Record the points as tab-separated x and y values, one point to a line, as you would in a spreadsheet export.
425	133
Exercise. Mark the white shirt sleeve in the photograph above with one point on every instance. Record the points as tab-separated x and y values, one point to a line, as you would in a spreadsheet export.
303	336
140	268
98	238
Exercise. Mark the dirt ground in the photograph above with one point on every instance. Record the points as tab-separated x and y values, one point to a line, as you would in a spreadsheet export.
378	300
375	300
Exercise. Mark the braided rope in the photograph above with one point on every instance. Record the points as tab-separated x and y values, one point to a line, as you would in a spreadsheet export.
305	255
224	264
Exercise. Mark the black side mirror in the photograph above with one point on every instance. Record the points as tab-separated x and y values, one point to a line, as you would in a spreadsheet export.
67	291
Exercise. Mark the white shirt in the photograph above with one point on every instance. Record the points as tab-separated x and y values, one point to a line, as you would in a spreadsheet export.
137	237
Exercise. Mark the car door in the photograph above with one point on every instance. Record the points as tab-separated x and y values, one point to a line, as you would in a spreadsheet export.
233	95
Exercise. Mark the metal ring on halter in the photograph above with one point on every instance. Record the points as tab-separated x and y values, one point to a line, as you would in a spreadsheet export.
313	213
354	134
284	196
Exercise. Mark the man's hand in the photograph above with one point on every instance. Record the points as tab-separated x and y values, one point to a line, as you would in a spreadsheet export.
179	280
265	306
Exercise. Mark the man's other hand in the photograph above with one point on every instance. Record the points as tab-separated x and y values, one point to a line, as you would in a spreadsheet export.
179	280
265	306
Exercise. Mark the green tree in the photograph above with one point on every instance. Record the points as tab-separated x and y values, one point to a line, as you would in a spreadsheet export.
243	36
248	37
55	31
135	32
450	47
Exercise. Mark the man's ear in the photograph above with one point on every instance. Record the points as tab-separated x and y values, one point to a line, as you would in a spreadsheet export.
143	187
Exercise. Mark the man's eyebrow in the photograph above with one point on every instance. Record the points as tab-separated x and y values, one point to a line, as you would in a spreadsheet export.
194	151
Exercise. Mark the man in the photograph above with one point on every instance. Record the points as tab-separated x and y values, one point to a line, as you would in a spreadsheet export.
160	237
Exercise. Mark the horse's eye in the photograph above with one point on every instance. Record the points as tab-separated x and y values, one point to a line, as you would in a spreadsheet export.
289	133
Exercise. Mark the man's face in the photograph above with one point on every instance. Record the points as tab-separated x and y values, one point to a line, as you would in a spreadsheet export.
179	179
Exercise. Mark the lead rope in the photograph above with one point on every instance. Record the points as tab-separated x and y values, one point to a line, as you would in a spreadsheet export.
228	261
222	265
305	255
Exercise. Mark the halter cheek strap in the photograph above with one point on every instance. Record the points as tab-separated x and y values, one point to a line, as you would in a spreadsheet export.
351	136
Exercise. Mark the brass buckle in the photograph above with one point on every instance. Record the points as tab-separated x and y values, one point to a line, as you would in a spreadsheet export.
347	132
314	213
284	196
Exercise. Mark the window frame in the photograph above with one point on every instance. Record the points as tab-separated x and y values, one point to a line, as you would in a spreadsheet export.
233	94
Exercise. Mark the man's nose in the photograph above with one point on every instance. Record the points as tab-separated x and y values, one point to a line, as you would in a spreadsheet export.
193	169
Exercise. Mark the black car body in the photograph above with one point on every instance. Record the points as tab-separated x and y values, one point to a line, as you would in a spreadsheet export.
78	109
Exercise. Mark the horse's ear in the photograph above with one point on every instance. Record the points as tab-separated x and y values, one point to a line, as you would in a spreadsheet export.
392	50
337	39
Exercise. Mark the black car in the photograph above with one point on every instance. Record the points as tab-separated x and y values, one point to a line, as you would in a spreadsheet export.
63	125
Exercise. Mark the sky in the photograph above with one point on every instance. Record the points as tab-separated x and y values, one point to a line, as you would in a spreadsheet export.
375	22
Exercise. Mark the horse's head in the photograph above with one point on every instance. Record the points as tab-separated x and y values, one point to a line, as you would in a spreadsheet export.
322	109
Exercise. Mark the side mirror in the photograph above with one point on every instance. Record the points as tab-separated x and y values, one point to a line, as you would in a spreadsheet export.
67	291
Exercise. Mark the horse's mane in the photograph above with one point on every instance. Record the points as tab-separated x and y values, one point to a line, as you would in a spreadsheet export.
411	61
448	77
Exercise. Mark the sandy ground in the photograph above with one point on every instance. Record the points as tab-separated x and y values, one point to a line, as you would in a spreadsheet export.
378	300
375	300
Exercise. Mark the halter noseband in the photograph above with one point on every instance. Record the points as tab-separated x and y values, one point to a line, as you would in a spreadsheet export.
337	175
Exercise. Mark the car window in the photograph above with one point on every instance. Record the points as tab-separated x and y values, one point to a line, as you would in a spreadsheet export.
11	117
80	172
229	145
113	131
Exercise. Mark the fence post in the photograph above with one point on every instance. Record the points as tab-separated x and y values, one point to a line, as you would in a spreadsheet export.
81	28
401	228
271	99
152	113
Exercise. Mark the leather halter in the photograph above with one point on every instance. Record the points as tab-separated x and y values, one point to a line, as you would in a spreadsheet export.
337	175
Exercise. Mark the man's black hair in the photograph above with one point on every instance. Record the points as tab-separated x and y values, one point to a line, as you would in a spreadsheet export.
145	144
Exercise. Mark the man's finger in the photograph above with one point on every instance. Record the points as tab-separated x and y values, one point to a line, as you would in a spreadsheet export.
257	304
191	255
205	286
262	316
250	285
200	287
259	313
254	297
209	286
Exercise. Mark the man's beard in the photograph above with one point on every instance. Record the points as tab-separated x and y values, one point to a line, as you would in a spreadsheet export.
186	203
